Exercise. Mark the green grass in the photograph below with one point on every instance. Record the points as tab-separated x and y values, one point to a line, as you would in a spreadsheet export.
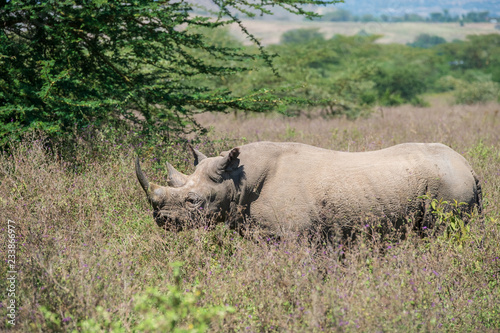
90	257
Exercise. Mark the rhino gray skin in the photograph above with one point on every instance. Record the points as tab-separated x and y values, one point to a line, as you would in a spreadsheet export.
292	187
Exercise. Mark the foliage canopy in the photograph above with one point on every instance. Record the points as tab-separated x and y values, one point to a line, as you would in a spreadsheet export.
73	63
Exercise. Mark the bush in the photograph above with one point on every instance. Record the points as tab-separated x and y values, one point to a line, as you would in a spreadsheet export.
476	92
466	92
427	41
175	311
398	84
301	36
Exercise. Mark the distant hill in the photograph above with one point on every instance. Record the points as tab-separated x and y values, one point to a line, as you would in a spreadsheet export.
421	7
380	7
269	32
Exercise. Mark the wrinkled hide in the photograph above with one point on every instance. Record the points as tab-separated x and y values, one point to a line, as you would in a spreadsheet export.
291	187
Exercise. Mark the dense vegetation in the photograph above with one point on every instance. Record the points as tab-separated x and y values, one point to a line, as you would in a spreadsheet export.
90	257
67	64
349	75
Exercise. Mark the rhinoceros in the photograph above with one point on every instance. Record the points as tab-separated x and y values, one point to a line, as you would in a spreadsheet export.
293	187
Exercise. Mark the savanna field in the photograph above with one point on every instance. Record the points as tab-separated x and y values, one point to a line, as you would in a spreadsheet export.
90	257
87	87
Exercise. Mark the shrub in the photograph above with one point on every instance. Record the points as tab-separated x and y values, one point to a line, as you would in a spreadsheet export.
472	92
399	83
476	92
427	41
301	36
175	311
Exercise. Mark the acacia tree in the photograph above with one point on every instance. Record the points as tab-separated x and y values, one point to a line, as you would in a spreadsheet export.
70	63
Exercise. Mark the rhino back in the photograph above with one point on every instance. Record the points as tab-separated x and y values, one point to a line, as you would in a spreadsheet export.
300	183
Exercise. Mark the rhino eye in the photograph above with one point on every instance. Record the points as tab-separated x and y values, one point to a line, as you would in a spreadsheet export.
193	199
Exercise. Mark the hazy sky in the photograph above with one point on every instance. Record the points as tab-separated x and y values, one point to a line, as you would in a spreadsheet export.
422	7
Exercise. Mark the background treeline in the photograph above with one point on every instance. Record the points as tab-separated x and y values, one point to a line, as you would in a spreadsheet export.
350	74
343	15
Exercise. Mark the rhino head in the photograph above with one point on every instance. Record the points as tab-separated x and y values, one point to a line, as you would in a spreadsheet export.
208	191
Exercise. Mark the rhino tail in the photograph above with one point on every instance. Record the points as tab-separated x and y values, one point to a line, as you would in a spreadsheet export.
479	203
478	194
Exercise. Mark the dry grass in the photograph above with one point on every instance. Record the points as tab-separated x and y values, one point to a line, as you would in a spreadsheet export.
87	238
269	32
386	127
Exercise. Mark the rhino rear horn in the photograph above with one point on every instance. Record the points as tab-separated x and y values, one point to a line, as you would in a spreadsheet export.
175	178
198	156
141	177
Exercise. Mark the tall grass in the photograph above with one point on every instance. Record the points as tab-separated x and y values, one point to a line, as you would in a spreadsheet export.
90	257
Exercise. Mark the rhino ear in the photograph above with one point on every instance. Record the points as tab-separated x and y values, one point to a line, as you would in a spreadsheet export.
175	178
198	156
227	160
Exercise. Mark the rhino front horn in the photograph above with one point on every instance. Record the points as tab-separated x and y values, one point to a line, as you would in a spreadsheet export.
141	177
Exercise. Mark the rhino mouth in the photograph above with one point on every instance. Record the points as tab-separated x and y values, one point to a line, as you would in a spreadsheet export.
178	221
168	220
